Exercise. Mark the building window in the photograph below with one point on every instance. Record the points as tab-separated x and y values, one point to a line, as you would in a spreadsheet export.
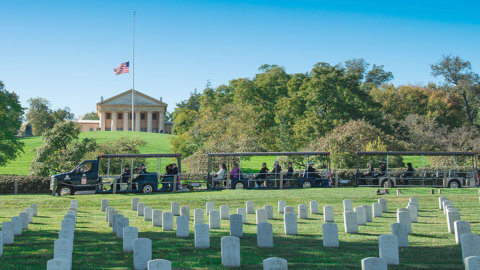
143	130
119	129
108	115
108	129
130	116
91	129
142	116
154	116
120	116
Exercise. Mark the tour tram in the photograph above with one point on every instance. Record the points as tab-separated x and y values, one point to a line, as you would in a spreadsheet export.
121	173
437	169
299	176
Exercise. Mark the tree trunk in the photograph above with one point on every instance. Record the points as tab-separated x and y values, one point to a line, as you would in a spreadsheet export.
467	107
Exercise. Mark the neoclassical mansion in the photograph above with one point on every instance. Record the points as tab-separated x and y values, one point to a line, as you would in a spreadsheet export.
115	113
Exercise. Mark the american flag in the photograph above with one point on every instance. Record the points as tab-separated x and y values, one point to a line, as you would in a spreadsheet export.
123	68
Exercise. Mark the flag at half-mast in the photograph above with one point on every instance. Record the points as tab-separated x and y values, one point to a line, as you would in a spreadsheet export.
123	68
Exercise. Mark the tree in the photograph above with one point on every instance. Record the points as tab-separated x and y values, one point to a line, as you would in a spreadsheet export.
466	83
11	113
91	116
40	115
378	76
61	115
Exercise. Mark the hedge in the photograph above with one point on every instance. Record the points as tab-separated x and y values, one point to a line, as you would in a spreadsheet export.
26	184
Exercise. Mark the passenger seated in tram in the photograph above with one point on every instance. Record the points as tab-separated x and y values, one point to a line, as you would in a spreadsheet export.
235	172
167	179
125	174
311	171
382	168
220	175
289	175
262	174
142	169
410	171
369	172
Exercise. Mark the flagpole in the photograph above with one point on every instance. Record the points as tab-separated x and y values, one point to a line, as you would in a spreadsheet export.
133	74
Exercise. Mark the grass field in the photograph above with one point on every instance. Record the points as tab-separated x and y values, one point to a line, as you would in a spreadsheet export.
156	143
95	246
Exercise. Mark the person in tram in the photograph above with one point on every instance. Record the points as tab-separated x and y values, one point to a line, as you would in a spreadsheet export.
275	173
175	172
262	174
289	175
125	174
235	172
311	171
370	171
410	171
382	168
219	177
167	179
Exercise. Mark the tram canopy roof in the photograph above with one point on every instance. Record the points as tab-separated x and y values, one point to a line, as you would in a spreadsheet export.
140	155
272	154
406	153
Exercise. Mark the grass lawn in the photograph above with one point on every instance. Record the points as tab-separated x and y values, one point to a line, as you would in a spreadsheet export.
95	246
156	143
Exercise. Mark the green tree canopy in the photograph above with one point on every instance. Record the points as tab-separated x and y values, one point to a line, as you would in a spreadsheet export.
11	113
43	118
91	116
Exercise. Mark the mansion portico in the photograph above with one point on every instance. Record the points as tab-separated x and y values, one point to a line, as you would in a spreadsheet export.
115	114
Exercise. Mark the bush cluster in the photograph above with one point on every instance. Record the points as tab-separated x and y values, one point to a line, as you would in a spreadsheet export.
26	184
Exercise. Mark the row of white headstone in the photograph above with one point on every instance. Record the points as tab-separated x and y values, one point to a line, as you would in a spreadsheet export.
230	248
469	242
362	214
63	246
13	228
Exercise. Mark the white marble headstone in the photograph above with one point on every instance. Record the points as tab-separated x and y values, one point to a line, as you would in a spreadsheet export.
198	216
347	205
230	251
157	217
470	244
261	216
350	222
330	235
461	227
328	213
281	206
264	235
214	219
269	210
175	208
224	212
388	249
159	264
167	221
314	207
202	236
250	206
129	235
374	263
275	263
290	223
400	231
182	227
142	253
236	225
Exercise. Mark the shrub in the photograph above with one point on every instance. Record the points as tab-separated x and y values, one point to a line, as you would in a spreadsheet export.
26	184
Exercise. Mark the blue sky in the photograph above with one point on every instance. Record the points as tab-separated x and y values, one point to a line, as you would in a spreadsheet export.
65	51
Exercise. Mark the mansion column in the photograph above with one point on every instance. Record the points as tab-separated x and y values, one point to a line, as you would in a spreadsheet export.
102	121
137	121
125	121
149	121
161	121
113	126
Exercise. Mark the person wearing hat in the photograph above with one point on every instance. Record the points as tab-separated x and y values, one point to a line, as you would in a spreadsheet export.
382	168
143	170
311	171
125	174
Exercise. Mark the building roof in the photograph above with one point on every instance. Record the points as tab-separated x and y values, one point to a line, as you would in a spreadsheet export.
138	96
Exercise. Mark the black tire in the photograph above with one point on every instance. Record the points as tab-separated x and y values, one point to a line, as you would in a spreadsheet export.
147	188
454	184
239	185
65	191
307	184
385	183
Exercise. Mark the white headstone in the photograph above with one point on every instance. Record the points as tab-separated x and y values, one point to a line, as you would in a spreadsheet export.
289	209
8	233
374	263
122	222
167	221
413	210
30	214
147	213
209	206
202	236
1	243
62	248
243	212
388	249
182	227
198	216
224	212
440	202
461	227
175	208
214	219
68	224
264	235
361	215
17	225
230	251
111	214
261	215
350	222
236	225
383	203
104	205
347	205
452	216
107	211
472	263
135	202
185	212
34	206
24	219
281	206
66	234
302	211
140	209
377	210
314	207
330	235
275	263
250	206
157	217
129	235
470	245
290	223
368	213
400	231
269	210
403	217
142	253
159	264
59	264
328	213
445	204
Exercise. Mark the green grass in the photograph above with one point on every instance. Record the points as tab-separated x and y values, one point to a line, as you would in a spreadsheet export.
156	143
95	247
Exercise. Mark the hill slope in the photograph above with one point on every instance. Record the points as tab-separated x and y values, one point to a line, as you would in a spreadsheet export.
156	143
